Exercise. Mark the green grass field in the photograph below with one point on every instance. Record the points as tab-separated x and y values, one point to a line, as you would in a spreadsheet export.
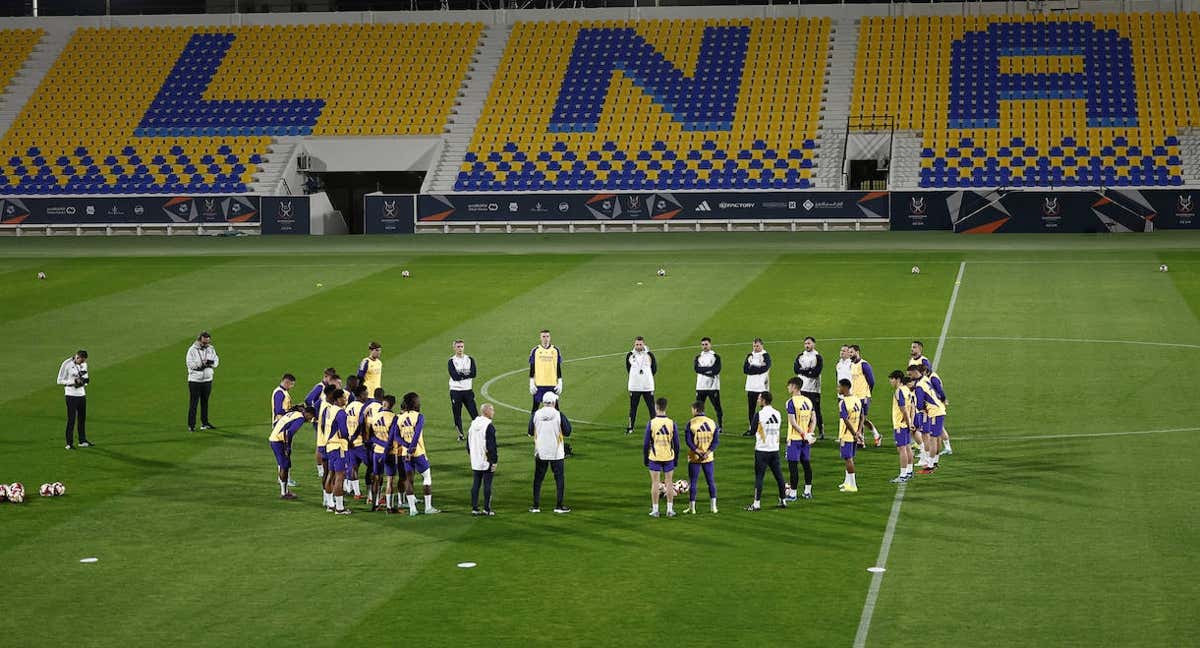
1063	518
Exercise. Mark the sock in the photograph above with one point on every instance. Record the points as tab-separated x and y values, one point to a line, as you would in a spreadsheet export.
337	503
654	508
875	433
714	502
412	501
428	502
325	499
854	480
847	480
282	487
808	489
670	506
946	444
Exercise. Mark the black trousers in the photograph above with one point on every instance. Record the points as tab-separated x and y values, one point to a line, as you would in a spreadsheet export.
815	397
794	473
539	474
762	461
76	414
714	396
648	398
198	392
459	399
752	406
483	477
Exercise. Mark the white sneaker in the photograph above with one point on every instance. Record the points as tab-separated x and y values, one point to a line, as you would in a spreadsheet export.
653	513
534	509
413	512
429	510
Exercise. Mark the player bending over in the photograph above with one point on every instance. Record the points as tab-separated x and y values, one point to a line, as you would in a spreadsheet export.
282	431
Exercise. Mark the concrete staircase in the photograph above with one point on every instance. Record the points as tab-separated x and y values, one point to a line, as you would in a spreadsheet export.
275	162
31	74
468	108
835	103
1189	152
906	160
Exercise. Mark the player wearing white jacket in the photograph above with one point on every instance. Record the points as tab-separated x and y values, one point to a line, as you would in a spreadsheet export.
641	366
548	427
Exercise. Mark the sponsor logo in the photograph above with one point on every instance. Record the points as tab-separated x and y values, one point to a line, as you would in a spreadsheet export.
634	202
71	210
286	210
512	206
562	206
791	204
483	207
389	209
703	206
916	206
138	210
1050	207
808	205
115	211
775	205
91	210
1184	205
538	208
736	205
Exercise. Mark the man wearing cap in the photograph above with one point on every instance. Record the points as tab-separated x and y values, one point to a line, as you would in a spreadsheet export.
548	426
201	360
73	376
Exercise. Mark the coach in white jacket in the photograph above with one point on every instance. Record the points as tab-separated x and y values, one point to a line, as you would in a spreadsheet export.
641	365
73	376
548	427
757	368
201	360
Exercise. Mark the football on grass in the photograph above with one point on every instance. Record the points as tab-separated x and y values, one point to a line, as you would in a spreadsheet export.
1162	268
45	490
916	269
682	486
662	273
58	488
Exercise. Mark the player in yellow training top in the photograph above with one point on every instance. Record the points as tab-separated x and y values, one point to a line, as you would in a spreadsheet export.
370	370
702	435
802	424
659	450
850	426
903	406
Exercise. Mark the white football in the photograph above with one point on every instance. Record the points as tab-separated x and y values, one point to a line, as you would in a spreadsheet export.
662	272
916	269
58	488
662	488
3	492
1162	268
45	491
405	273
16	493
41	275
682	486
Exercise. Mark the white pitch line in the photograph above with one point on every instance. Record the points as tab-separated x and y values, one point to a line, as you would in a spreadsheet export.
885	547
975	338
1087	435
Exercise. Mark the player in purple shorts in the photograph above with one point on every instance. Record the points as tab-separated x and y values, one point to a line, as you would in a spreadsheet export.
282	432
802	426
903	406
702	436
850	426
659	451
337	447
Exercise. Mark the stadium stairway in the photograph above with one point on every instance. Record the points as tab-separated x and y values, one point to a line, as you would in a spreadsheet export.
465	116
835	106
1189	150
275	161
31	74
906	160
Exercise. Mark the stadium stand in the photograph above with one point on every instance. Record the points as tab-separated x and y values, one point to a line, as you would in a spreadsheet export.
15	47
653	104
1077	100
193	109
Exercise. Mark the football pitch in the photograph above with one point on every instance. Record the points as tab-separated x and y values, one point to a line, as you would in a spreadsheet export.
1062	518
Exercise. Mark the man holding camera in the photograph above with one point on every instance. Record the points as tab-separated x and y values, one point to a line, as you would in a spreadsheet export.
201	360
73	376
